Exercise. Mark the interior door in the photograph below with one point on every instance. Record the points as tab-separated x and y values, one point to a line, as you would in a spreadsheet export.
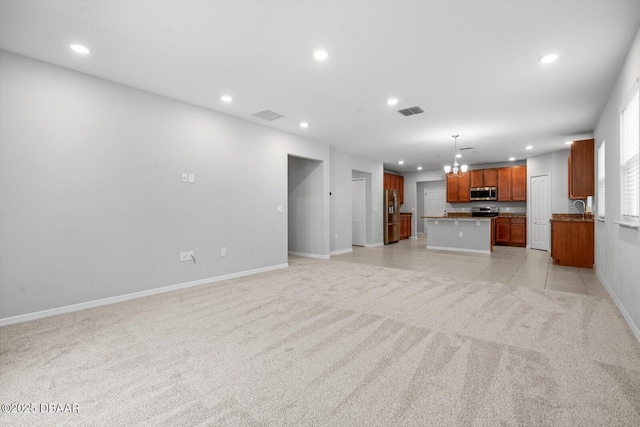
540	212
358	212
435	201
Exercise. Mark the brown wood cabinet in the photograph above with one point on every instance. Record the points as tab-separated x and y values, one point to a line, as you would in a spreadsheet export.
394	182
511	231
503	228
512	184
572	243
490	177
458	188
476	178
483	178
581	169
405	225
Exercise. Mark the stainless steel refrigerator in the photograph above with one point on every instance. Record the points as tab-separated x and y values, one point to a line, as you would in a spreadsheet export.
391	216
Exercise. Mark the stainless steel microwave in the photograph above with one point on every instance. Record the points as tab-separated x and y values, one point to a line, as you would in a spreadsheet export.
484	193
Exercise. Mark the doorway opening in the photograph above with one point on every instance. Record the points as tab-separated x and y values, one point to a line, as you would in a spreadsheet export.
305	208
361	232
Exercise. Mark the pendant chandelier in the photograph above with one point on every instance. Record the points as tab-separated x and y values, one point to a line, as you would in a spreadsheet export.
456	170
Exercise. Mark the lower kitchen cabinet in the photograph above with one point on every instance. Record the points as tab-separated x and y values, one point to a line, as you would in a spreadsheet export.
405	225
511	231
572	243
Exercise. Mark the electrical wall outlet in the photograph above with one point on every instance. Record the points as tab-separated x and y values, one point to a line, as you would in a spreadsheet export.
185	177
460	234
192	177
223	251
186	256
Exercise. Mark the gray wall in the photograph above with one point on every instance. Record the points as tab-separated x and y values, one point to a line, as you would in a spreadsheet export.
92	204
305	213
343	166
617	248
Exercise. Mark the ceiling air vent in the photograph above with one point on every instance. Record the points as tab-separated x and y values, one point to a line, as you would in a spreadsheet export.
268	115
411	111
466	148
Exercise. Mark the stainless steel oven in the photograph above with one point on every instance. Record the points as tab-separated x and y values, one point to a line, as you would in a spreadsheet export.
484	193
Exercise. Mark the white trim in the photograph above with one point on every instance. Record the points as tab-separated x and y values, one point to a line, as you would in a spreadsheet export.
625	314
134	295
445	248
627	224
341	251
413	237
373	245
306	255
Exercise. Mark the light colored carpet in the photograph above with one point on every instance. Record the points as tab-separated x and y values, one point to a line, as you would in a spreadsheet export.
334	344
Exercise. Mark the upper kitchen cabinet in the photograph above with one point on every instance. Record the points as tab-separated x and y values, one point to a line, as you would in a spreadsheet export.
458	188
476	179
512	184
394	182
483	178
581	169
490	177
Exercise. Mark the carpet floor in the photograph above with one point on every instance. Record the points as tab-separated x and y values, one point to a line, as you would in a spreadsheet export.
329	343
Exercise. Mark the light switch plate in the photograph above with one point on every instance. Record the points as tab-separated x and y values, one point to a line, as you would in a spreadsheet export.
280	208
185	177
192	177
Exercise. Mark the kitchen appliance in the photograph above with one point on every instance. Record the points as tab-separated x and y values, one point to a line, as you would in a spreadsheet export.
391	216
484	211
483	193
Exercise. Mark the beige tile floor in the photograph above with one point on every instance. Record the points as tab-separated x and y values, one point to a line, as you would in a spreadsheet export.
514	266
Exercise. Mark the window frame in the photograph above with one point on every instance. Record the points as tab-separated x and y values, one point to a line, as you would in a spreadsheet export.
627	216
601	180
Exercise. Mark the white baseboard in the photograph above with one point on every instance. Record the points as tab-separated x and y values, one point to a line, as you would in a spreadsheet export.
120	298
414	237
309	255
625	314
374	245
341	251
445	248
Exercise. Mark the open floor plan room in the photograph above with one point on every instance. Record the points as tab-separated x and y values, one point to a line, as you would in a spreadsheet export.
396	335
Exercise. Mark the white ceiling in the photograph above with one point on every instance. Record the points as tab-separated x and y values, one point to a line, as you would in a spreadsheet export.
471	65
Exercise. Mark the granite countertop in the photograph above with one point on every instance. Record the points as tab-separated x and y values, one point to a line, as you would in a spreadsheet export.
464	218
568	217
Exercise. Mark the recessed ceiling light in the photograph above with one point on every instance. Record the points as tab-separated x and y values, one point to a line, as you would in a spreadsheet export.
78	48
511	159
401	162
548	59
320	55
304	125
226	98
419	168
392	101
569	142
458	156
529	147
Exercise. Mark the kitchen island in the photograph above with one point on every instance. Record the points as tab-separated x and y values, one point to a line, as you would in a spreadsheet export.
462	234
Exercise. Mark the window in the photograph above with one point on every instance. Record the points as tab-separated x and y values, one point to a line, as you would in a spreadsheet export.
629	157
601	185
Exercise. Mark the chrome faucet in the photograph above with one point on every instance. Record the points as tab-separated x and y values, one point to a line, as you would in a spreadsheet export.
584	207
